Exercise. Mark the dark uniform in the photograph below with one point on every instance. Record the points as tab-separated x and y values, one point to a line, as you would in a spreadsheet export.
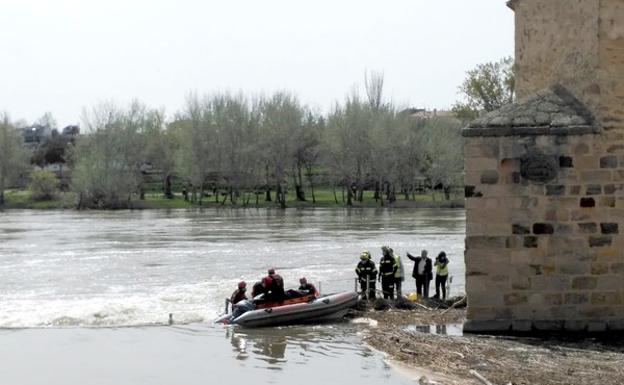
367	274
275	290
387	269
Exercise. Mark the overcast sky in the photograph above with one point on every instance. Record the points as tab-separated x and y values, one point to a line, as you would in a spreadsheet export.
63	55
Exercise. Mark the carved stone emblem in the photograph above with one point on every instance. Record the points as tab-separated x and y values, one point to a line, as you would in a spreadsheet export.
538	168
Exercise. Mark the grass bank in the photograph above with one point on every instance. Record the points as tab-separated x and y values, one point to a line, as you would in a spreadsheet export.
22	199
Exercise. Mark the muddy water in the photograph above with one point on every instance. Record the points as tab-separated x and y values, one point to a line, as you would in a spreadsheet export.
79	290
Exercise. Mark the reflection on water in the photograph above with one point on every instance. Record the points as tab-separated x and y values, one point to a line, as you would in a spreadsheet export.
192	355
451	329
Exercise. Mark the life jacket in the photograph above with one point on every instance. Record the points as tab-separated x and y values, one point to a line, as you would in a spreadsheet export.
399	272
237	296
441	268
309	288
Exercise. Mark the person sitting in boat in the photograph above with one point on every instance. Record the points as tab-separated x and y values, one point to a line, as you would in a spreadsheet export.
367	274
306	287
239	293
257	289
273	291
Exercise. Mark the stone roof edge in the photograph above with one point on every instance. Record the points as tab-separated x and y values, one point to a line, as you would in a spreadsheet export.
529	131
512	4
579	107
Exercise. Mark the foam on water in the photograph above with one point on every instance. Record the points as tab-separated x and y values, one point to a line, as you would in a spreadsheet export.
129	268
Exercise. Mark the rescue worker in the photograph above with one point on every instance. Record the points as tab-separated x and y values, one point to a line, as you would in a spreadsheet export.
257	289
387	269
367	273
275	288
307	287
441	265
399	275
239	293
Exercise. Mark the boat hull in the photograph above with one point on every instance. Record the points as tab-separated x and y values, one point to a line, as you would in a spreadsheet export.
323	309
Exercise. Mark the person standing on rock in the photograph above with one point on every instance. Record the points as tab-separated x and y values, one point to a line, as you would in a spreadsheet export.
399	275
367	273
422	273
387	269
441	265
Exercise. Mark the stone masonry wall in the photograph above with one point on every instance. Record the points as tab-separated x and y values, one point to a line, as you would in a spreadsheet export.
545	256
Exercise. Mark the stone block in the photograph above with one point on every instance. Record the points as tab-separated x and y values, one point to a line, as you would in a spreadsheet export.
578	298
599	268
530	242
587	202
617	268
561	228
574	326
520	229
484	242
610	161
479	326
581	149
579	215
514	299
607	201
489	177
547	325
593	189
481	148
573	267
574	190
584	283
609	228
616	325
521	326
481	164
616	148
470	192
600	241
596	176
610	189
566	162
556	190
550	283
611	298
543	228
520	283
587	228
596	326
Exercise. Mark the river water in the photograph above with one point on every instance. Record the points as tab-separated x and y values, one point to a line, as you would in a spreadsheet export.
82	294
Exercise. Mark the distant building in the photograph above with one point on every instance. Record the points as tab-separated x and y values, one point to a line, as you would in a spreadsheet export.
423	113
70	132
36	135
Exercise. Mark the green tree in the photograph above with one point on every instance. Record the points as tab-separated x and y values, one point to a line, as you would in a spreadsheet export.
486	88
13	156
43	185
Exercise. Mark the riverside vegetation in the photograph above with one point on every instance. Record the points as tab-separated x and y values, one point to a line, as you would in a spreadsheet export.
230	149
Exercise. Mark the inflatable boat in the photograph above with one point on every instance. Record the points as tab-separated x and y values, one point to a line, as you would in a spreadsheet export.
321	309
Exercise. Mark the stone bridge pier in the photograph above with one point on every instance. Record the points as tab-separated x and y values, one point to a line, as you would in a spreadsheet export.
545	178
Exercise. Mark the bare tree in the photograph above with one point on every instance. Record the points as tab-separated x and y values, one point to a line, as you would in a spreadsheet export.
13	156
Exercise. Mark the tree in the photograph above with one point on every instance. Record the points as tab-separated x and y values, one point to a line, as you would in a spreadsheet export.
108	161
280	123
13	156
43	185
486	88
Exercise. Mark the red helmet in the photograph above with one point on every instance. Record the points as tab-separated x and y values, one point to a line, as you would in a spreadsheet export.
242	285
303	280
271	271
